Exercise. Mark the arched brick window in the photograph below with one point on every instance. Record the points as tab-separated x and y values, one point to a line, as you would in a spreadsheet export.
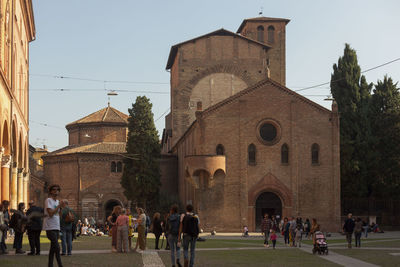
260	34
271	34
315	154
113	166
119	166
220	150
251	154
285	154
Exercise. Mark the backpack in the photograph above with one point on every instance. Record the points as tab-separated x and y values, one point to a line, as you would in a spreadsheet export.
173	225
190	225
69	217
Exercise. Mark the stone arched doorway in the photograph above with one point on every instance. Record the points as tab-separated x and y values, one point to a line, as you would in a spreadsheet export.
110	204
267	203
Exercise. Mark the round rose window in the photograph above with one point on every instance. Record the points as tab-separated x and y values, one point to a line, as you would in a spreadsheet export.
268	132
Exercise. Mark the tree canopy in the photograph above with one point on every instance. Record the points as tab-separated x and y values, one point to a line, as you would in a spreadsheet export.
141	175
369	130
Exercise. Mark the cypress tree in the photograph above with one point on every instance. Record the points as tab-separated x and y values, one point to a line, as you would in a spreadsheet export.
352	94
141	176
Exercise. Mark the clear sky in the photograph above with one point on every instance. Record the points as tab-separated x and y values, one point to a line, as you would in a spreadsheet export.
130	40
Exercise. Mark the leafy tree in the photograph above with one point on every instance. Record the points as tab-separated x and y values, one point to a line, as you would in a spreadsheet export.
141	176
385	120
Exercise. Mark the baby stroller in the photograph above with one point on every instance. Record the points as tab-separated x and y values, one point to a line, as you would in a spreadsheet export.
320	244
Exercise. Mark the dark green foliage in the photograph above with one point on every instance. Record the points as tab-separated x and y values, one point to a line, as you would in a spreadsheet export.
141	176
345	88
385	120
369	130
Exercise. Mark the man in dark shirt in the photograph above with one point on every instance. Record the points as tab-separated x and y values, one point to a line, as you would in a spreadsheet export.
34	227
348	228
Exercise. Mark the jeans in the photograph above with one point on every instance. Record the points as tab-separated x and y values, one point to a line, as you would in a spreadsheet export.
286	237
189	240
266	235
52	235
173	245
366	230
66	241
357	236
18	241
34	240
349	236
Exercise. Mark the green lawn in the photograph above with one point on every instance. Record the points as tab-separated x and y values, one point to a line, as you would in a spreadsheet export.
229	257
254	258
378	257
98	260
383	244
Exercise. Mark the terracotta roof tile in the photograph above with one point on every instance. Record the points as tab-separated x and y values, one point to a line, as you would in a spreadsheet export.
103	147
108	114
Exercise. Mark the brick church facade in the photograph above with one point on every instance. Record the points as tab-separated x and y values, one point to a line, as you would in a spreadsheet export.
242	143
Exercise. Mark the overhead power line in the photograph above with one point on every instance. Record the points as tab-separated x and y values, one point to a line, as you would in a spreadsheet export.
165	112
367	70
107	90
47	125
93	80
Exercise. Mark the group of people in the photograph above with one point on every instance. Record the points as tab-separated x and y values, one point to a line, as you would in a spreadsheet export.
57	219
178	229
292	229
357	226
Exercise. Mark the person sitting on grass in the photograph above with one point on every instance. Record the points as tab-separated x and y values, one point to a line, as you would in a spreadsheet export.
245	231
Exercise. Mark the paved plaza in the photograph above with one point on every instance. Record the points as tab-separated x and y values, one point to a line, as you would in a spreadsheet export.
228	249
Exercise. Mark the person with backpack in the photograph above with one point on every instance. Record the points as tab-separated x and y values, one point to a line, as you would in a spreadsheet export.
66	221
189	228
18	223
172	231
34	227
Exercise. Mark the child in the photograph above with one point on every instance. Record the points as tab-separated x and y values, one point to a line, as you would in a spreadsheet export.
273	238
245	231
298	234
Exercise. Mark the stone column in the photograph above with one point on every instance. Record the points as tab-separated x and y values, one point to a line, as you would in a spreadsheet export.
5	177
20	185
26	188
14	186
1	155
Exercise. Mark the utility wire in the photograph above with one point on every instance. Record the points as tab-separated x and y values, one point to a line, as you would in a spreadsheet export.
165	112
108	90
93	80
47	125
373	68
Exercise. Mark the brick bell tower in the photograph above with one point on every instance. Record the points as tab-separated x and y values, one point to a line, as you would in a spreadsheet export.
271	31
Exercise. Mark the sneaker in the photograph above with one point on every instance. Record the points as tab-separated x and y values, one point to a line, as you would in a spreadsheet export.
20	252
267	246
62	254
38	253
31	254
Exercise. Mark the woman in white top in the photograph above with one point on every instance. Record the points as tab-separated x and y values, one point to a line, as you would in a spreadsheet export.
51	223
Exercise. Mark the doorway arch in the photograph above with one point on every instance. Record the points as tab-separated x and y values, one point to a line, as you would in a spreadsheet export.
110	204
267	203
